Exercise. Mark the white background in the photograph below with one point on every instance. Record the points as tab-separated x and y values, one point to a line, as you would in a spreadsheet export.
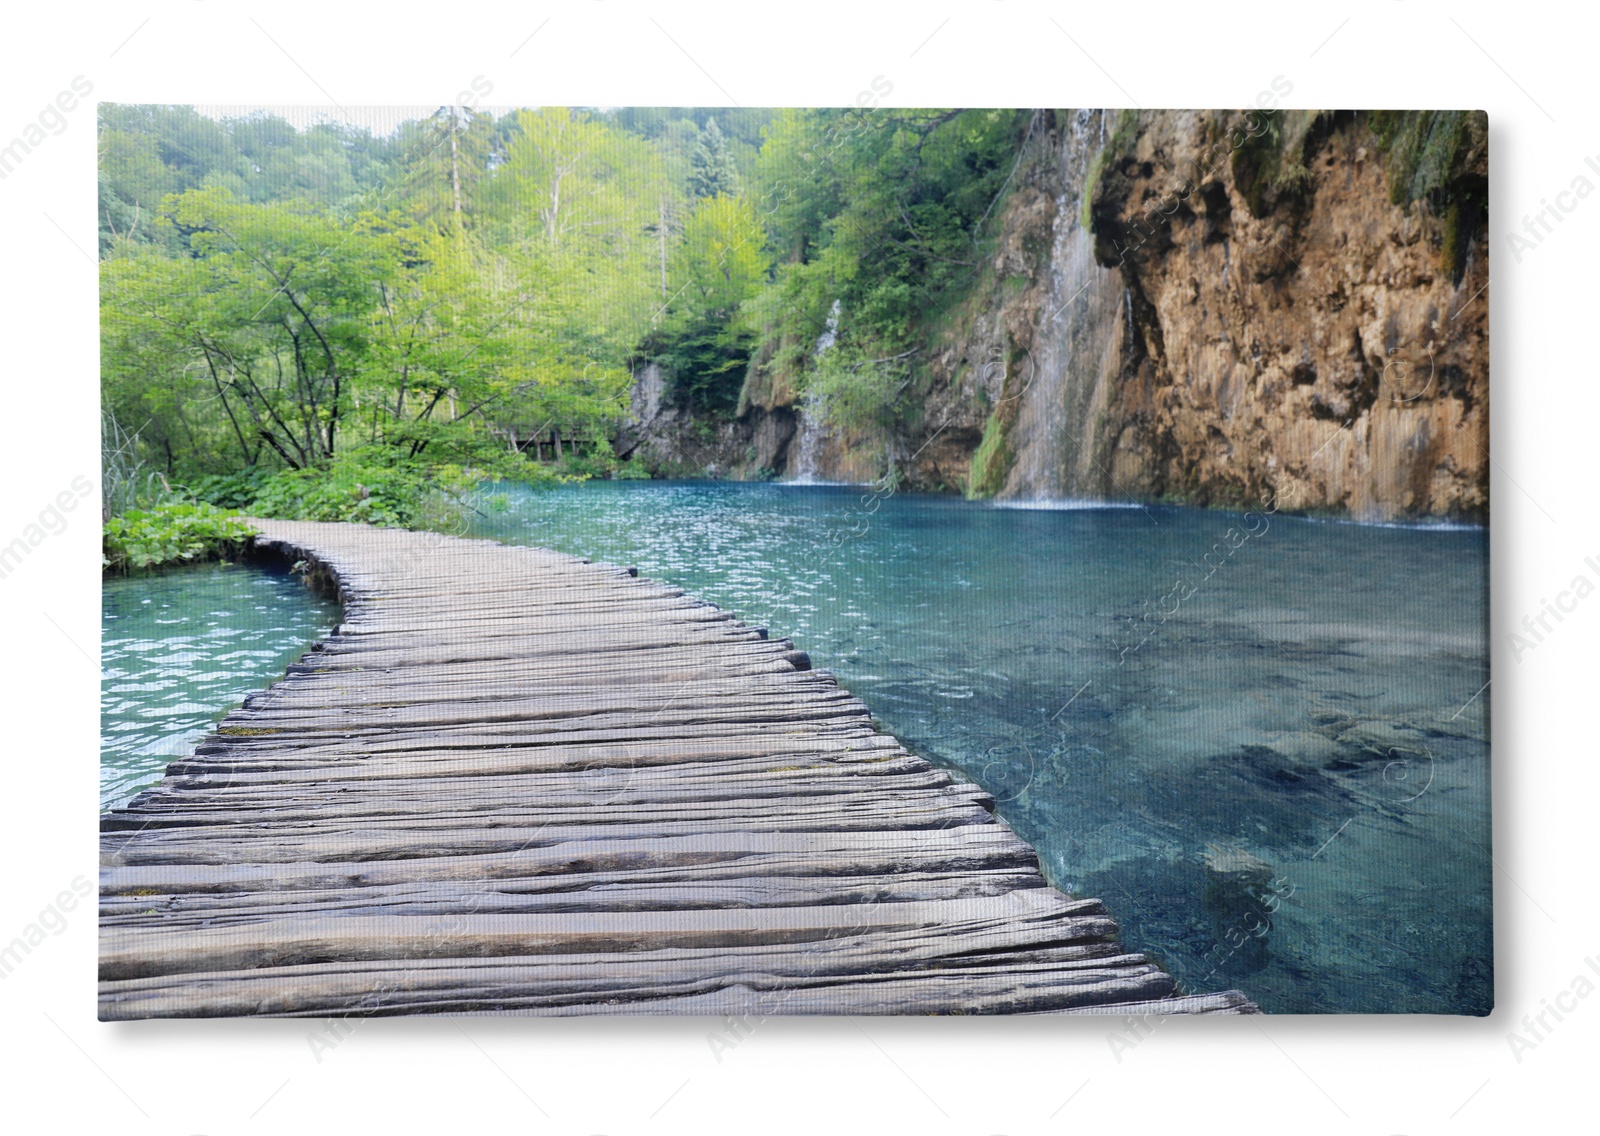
1531	69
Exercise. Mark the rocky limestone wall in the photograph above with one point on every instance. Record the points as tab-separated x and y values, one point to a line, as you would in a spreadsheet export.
1298	327
672	442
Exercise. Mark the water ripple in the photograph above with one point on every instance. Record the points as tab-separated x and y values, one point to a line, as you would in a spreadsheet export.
183	647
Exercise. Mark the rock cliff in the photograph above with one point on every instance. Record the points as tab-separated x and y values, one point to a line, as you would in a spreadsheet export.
1309	309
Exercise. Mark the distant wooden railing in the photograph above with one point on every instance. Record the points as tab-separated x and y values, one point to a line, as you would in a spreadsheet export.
548	443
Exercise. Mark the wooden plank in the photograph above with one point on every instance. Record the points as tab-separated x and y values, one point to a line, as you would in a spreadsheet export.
130	953
516	782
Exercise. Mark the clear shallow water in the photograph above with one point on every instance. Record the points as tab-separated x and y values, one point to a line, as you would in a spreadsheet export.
181	648
1255	737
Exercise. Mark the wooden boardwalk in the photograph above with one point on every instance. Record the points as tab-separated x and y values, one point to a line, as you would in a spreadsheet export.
515	782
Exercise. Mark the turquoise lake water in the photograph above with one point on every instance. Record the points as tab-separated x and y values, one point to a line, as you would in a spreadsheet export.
1151	694
1260	739
182	647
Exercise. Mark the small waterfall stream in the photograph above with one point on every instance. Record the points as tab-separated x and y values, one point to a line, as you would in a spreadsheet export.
1066	382
808	442
811	431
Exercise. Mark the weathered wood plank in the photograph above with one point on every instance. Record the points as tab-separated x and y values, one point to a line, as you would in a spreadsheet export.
125	953
969	848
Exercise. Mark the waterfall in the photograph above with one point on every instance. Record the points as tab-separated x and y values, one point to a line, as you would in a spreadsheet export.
1066	382
810	432
830	332
809	435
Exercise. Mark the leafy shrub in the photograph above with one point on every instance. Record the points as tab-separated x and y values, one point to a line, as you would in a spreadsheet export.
374	486
230	490
863	394
379	485
599	460
349	491
171	533
633	469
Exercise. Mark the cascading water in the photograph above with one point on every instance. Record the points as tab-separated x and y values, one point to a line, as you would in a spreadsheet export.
1065	383
810	432
808	441
830	331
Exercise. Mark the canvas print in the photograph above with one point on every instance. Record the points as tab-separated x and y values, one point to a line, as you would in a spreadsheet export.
742	562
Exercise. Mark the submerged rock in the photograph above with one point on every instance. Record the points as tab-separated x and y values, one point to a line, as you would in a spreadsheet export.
1237	885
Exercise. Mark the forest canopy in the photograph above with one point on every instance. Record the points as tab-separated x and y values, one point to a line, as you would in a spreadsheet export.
328	307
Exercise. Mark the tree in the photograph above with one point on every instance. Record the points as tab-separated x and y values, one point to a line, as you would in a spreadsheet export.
147	152
719	262
883	213
574	210
711	166
446	156
721	257
272	308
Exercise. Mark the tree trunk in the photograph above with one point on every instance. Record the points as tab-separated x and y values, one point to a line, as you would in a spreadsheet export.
455	167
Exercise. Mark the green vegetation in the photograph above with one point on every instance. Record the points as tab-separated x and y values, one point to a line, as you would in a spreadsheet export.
1428	154
713	172
702	342
992	460
1269	163
324	324
291	332
861	395
171	533
888	215
350	489
275	298
1421	147
327	324
994	457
